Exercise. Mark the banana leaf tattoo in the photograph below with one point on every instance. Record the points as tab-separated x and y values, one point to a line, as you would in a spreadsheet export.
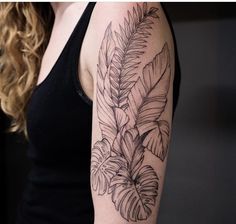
129	108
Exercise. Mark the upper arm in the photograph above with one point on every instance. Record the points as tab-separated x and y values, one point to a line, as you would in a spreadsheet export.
132	110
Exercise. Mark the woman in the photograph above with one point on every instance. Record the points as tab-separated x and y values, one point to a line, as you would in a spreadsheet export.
80	76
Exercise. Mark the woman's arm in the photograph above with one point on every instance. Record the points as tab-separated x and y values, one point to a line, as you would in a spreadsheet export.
132	111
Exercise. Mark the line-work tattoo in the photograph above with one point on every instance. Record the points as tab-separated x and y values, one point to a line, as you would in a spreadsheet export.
129	107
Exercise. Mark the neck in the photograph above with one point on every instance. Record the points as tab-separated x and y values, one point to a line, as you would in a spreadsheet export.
60	7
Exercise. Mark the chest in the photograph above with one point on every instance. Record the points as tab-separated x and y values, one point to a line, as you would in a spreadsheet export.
60	37
57	116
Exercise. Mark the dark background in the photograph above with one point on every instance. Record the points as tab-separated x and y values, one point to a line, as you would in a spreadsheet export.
200	180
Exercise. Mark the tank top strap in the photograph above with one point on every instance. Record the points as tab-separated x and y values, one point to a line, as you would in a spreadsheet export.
81	26
75	48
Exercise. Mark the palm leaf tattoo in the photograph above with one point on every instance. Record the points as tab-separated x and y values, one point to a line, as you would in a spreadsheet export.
147	101
129	108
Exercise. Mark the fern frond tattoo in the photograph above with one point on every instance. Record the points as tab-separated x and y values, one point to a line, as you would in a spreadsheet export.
129	108
131	42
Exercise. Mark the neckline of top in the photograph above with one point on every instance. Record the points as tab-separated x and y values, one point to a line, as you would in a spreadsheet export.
63	49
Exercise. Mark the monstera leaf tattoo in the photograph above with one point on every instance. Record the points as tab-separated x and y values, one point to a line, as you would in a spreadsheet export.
104	166
129	109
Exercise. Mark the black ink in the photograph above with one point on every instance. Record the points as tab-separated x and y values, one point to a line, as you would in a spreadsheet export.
129	108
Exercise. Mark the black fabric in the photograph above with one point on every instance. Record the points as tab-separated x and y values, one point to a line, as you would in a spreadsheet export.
59	122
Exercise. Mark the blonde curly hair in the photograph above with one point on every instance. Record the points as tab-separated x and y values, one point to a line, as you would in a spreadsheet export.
25	30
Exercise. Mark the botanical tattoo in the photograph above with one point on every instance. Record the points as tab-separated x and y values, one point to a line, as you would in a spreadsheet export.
129	108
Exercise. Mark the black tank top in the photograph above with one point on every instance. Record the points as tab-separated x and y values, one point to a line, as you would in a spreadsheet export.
59	124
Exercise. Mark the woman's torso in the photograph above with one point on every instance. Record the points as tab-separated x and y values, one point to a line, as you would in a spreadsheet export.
59	121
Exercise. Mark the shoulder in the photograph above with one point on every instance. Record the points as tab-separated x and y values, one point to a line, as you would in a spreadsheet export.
121	19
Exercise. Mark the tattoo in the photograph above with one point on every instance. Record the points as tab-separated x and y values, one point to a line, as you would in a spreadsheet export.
129	108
